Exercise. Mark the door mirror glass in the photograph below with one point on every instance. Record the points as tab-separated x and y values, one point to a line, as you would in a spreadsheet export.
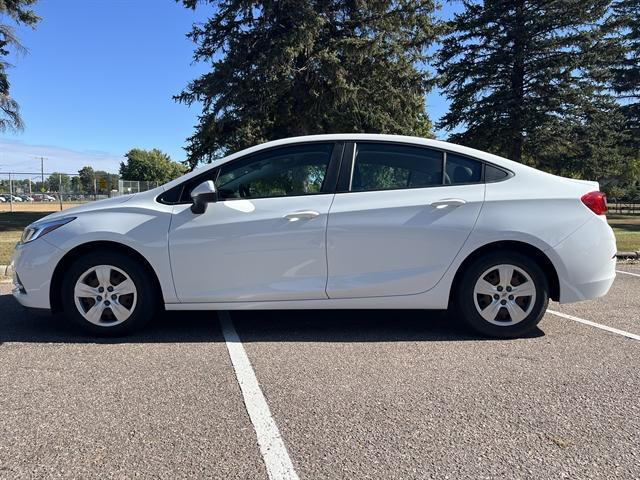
202	195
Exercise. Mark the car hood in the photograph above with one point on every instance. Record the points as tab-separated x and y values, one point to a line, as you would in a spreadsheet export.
90	207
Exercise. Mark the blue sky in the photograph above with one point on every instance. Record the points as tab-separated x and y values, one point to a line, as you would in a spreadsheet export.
98	80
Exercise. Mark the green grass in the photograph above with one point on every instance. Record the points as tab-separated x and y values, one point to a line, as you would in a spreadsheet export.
626	228
8	240
11	226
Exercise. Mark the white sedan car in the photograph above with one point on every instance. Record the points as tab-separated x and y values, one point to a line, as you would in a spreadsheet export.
349	221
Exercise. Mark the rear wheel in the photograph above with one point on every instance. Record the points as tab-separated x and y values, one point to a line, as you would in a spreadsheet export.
108	293
503	295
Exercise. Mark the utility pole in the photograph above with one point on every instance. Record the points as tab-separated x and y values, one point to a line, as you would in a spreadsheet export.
10	193
42	173
60	189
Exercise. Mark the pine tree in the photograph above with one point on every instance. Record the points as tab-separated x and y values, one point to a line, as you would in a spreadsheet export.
523	82
625	23
19	13
297	67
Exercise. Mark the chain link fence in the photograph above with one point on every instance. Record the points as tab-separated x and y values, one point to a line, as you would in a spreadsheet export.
43	192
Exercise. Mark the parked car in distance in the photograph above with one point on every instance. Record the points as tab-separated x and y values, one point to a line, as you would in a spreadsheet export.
25	198
11	198
2	199
349	221
43	197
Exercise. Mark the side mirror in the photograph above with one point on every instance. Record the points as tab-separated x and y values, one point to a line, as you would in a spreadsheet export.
202	195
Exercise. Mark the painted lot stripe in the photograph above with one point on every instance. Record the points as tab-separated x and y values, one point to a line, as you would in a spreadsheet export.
272	447
628	273
597	325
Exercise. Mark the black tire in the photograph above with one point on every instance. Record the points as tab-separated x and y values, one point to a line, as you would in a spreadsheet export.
465	305
146	295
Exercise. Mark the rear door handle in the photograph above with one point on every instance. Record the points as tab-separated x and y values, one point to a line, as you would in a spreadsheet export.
301	215
448	202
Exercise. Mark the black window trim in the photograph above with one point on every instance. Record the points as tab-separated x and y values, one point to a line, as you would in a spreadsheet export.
347	167
328	184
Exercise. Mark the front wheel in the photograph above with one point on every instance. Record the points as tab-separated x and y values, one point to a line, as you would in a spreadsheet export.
108	294
503	295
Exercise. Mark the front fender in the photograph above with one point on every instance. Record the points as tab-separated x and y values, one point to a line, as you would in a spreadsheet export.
142	229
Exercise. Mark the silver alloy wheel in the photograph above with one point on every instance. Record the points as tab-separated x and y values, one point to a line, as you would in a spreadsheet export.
504	295
105	295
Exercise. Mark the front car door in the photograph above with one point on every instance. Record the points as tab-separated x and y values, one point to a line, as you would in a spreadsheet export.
401	214
265	237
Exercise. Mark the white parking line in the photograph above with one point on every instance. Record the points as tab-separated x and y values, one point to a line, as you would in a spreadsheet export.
628	273
597	325
272	447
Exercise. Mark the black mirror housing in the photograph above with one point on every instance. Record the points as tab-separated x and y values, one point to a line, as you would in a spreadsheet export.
202	195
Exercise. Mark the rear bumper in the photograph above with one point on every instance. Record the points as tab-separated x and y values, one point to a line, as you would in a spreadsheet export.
586	261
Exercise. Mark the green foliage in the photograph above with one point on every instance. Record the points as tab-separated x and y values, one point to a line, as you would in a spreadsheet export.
57	180
524	79
86	177
150	165
90	181
301	67
625	34
20	13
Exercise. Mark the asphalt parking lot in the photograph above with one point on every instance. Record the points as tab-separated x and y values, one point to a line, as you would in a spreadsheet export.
384	394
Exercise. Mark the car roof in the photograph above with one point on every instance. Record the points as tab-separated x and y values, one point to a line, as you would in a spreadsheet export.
427	142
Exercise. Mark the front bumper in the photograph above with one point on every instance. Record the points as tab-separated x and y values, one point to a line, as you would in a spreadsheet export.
32	268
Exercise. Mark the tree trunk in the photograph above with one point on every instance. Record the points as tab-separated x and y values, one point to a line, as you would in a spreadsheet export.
516	126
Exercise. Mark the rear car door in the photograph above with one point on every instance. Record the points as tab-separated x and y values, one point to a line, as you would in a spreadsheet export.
401	214
265	237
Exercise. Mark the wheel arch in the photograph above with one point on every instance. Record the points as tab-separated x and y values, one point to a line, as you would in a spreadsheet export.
527	249
55	291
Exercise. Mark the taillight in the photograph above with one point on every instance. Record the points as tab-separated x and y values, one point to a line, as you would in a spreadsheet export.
596	201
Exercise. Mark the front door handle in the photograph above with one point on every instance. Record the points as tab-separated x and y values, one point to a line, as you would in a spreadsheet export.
448	202
301	215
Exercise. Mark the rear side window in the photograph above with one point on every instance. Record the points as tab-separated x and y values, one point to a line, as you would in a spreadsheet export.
494	174
461	169
379	166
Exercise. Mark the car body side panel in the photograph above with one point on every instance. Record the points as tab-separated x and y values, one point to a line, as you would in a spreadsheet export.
394	242
249	250
140	224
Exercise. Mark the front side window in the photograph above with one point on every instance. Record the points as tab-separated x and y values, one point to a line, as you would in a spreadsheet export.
379	166
287	171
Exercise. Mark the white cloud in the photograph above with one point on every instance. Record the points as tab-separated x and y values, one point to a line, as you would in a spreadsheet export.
20	157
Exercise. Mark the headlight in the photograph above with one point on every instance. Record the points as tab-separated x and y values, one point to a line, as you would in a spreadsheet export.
39	229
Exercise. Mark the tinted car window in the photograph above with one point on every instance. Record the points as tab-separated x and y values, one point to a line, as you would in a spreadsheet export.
286	171
379	166
462	170
493	174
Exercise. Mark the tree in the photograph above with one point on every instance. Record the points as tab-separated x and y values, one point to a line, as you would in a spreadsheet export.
87	177
56	180
105	182
20	13
625	23
301	67
76	185
150	165
523	81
